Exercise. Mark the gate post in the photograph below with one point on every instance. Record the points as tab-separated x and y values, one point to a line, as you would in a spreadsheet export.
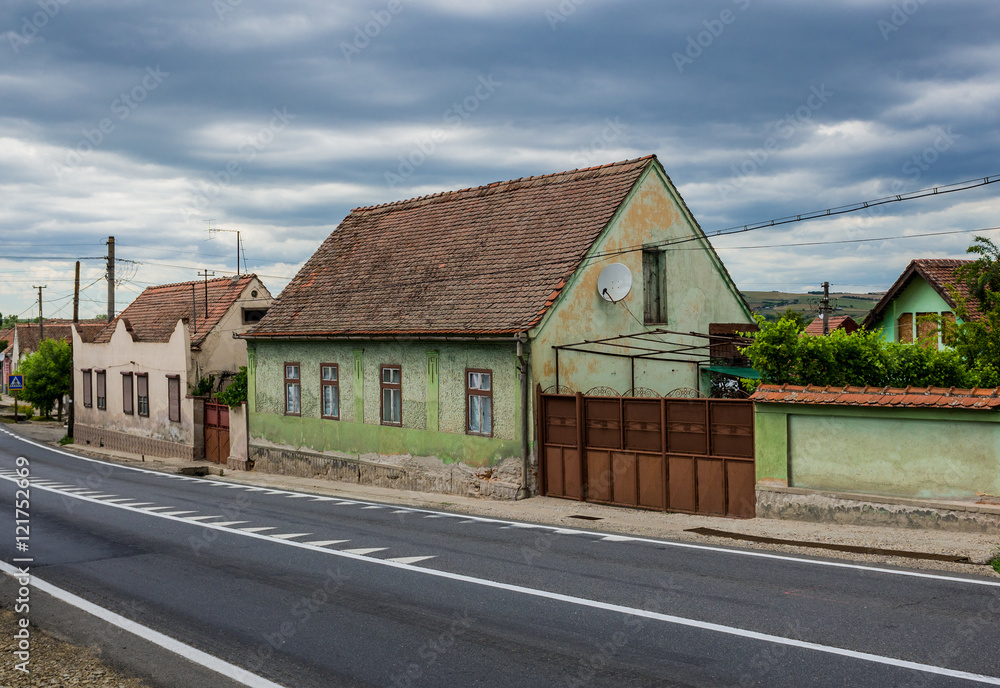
579	446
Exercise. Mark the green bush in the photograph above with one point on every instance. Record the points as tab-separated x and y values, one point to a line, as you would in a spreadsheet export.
24	411
236	393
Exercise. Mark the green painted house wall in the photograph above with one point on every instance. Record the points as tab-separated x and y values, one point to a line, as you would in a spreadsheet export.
917	453
433	412
698	292
917	297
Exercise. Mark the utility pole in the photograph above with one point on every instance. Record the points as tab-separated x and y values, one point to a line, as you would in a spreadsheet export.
825	308
111	278
71	411
76	294
41	338
206	274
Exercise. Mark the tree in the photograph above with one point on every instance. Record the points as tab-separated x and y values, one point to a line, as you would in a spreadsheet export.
9	321
47	375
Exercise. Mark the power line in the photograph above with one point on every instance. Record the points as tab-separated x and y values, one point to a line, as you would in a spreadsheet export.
847	241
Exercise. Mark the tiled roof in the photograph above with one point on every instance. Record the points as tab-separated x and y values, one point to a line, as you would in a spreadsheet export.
153	316
910	397
488	260
939	273
837	322
27	333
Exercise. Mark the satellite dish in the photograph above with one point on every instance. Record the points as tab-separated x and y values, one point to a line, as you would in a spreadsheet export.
614	282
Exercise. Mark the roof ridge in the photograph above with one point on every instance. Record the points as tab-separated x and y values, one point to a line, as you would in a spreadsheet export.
246	275
443	194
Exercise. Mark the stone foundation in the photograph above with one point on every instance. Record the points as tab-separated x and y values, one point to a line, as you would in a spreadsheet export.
419	474
873	510
84	435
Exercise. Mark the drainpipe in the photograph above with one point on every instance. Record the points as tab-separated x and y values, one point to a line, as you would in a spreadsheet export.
522	375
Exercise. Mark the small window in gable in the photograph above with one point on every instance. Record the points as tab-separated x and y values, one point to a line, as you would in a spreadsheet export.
654	287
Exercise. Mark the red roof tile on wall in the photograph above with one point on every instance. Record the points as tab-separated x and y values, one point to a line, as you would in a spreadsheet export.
910	397
487	260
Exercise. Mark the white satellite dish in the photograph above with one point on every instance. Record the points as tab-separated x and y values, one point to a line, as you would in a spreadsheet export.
614	282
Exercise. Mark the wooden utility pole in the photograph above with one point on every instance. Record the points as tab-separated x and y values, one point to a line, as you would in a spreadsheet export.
76	294
41	333
71	411
111	278
825	308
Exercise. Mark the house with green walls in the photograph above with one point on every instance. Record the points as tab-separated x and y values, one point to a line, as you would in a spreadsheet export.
409	349
925	288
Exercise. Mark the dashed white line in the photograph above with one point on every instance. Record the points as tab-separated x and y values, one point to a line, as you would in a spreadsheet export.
410	560
324	543
365	550
289	536
256	530
226	524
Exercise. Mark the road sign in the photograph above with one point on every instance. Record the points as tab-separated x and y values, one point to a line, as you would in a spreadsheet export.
15	382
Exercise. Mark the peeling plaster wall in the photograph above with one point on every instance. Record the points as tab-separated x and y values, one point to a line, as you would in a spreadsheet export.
220	352
698	292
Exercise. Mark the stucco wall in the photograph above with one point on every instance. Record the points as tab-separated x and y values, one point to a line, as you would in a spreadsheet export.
220	352
433	398
940	454
157	360
917	297
697	293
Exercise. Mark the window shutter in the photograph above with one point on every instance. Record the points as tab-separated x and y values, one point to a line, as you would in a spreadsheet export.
174	398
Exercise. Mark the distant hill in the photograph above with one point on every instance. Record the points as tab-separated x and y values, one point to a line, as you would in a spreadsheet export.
772	304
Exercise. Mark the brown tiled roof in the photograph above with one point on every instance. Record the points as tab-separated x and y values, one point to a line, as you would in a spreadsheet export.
153	316
911	397
939	273
488	260
844	322
60	329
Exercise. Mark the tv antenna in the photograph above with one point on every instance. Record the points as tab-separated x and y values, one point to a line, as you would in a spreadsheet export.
212	231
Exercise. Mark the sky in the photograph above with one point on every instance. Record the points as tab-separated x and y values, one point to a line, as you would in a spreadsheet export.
155	122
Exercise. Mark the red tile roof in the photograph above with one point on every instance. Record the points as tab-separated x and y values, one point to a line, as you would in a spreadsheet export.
56	328
487	260
153	316
939	273
844	322
911	397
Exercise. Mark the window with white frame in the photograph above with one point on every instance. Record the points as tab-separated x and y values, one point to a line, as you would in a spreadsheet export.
293	390
392	395
330	390
479	402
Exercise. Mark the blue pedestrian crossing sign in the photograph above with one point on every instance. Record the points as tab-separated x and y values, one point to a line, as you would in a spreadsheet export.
15	382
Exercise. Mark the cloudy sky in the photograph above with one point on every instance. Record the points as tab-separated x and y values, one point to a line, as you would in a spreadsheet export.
144	120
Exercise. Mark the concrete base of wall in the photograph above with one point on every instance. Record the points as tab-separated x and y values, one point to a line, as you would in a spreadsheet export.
420	474
132	444
235	463
863	509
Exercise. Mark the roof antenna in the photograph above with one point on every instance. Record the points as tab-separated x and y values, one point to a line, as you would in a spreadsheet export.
212	231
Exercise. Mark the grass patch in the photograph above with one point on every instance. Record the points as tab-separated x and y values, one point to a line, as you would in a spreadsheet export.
995	563
65	440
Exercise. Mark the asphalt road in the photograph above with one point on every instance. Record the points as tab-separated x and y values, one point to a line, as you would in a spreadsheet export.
304	590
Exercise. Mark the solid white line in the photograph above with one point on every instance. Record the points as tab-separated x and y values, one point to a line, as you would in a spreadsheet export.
192	654
570	599
598	534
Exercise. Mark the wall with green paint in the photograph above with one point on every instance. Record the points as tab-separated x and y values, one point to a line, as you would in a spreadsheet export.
917	297
698	292
919	453
433	398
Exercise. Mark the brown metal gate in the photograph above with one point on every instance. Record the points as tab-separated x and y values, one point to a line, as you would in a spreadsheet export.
690	455
216	432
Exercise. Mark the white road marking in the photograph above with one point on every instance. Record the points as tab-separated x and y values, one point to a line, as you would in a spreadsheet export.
321	499
178	513
481	519
202	518
402	511
324	543
411	560
289	536
120	500
255	530
297	495
166	642
595	604
365	550
615	538
371	506
226	524
157	508
135	504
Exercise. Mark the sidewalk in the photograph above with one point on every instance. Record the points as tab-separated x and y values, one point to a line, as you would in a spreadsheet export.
977	547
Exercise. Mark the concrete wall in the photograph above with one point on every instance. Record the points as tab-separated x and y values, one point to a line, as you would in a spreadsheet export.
433	399
155	359
698	292
917	297
917	453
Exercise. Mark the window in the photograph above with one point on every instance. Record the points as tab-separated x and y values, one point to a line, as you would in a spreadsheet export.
479	400
252	315
88	382
392	395
102	398
127	393
174	398
329	386
654	287
142	393
293	390
904	328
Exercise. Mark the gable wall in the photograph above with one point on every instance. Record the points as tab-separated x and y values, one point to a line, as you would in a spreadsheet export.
917	297
220	352
698	293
